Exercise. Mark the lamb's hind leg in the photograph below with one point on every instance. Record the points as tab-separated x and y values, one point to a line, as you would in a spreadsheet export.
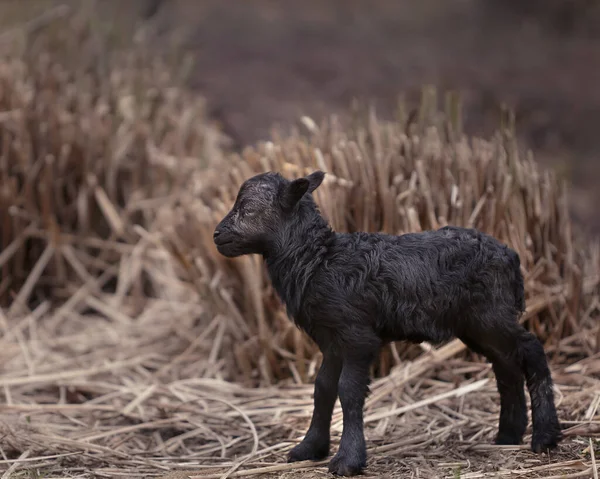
546	427
515	352
511	386
513	407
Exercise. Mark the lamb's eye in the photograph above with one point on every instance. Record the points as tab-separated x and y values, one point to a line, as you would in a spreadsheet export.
248	209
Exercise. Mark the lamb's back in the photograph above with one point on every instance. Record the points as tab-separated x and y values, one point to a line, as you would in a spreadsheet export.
421	266
401	286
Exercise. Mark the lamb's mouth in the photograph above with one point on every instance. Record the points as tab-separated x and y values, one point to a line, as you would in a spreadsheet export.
228	249
223	242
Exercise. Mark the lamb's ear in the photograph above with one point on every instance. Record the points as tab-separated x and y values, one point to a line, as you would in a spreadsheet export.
315	179
293	192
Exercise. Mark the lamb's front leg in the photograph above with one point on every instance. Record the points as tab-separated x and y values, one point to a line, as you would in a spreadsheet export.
351	458
315	444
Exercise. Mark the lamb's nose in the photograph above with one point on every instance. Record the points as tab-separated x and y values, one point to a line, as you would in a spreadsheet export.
216	233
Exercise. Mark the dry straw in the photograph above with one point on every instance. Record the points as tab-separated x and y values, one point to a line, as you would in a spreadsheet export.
397	177
86	154
122	328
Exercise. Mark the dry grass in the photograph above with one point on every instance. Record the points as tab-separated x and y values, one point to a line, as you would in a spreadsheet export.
114	396
124	329
409	175
86	150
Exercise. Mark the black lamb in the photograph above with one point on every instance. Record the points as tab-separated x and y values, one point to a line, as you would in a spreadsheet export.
354	292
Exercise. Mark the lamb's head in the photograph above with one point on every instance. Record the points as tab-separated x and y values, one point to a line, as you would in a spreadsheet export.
265	205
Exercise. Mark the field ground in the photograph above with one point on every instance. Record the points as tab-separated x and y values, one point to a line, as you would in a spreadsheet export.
110	397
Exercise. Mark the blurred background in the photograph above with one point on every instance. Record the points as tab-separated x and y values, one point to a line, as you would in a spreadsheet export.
262	63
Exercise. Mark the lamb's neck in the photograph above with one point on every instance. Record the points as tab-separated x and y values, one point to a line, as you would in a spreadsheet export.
297	256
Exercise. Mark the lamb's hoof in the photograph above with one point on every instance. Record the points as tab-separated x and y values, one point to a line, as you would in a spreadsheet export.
506	439
347	465
308	451
546	440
